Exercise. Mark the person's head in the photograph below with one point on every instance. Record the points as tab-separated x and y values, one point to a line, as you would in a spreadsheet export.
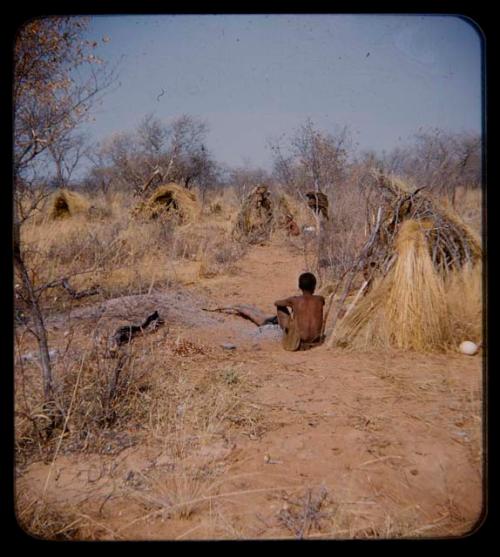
307	282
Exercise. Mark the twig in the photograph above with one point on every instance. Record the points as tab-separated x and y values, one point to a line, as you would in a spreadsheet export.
356	298
77	295
112	532
56	454
305	524
202	499
330	301
59	282
354	269
380	459
253	314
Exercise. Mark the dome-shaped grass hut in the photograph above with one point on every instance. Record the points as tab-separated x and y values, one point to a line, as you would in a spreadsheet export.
263	212
65	203
170	201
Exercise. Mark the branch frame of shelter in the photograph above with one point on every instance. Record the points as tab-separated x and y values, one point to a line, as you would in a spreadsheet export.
417	249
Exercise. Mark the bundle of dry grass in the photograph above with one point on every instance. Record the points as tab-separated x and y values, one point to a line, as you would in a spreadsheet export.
66	203
261	214
170	201
464	296
407	308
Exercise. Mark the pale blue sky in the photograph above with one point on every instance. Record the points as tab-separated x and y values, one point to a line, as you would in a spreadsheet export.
252	77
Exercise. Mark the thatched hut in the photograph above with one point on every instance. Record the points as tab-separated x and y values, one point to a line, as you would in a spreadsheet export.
452	242
65	203
407	278
317	201
170	201
263	212
406	308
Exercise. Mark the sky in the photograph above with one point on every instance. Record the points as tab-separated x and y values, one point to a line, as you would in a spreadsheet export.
255	77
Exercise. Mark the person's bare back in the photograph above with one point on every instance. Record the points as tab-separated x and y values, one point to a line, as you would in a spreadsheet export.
307	316
308	312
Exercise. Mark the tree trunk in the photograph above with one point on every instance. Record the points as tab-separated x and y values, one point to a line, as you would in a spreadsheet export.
39	325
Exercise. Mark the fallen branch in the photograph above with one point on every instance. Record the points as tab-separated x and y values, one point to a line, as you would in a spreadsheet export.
252	313
77	295
64	282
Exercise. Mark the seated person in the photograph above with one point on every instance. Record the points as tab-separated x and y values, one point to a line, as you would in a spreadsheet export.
303	328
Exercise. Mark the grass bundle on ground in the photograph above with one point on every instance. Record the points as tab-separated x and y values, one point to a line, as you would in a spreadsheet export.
170	201
66	203
261	214
407	308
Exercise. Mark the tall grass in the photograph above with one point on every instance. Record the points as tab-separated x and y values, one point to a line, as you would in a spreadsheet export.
407	308
124	255
464	298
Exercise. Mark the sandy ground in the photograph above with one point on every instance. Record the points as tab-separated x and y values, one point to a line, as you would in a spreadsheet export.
345	444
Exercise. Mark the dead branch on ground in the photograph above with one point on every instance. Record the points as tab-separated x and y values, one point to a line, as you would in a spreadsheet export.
252	313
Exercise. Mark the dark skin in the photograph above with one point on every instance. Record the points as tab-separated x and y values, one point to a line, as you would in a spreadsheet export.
307	311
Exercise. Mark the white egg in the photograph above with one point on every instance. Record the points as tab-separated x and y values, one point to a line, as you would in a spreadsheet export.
468	347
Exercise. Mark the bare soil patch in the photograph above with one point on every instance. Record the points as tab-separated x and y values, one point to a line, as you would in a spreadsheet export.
257	443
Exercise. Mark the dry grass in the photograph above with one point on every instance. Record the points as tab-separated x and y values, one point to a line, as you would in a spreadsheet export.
301	517
40	520
170	201
95	397
468	205
124	255
162	397
416	303
405	309
263	213
464	296
64	204
172	393
180	492
67	203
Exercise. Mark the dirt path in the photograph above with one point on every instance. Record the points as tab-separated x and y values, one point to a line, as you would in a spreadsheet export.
344	445
394	438
264	274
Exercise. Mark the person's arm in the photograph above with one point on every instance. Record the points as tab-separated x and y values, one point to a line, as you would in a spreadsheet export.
286	302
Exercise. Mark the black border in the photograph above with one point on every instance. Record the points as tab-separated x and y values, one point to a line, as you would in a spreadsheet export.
480	13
